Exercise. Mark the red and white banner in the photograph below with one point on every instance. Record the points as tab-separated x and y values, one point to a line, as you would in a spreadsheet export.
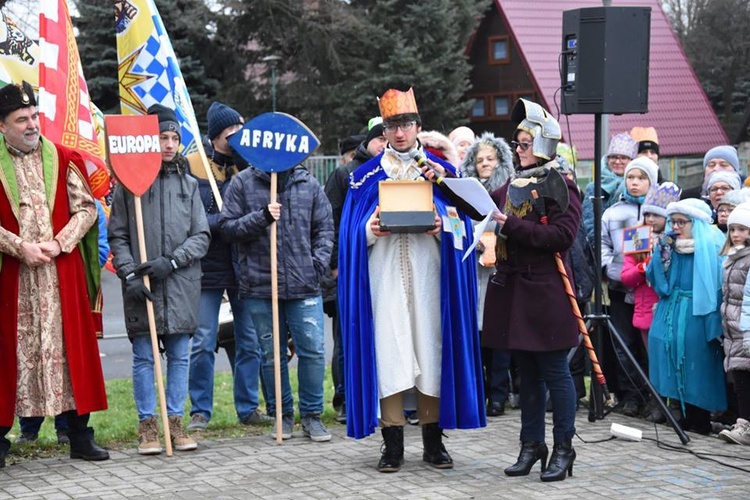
64	102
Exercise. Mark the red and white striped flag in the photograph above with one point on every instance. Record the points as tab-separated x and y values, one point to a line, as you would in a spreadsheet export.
64	102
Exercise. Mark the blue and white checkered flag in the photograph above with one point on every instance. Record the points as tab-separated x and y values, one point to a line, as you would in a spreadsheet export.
148	69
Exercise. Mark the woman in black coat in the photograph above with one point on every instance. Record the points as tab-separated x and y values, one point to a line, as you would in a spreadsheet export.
527	309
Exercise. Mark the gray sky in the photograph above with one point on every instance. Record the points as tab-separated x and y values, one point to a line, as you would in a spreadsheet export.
26	14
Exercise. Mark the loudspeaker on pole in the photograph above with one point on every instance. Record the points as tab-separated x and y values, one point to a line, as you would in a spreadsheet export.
605	58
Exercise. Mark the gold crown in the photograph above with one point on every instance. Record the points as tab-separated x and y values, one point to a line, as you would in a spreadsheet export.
394	102
644	134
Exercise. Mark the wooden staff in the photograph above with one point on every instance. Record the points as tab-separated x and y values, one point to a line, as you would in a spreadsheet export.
275	315
595	367
152	329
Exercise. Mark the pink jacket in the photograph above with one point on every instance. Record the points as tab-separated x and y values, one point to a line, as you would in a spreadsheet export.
633	275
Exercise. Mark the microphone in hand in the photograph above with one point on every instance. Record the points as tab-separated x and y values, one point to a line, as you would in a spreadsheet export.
422	162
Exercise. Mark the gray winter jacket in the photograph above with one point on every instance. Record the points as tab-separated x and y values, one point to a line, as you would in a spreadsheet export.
175	225
499	176
621	215
304	233
735	310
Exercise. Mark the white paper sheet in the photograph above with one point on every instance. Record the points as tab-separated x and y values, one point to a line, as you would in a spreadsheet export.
473	192
478	230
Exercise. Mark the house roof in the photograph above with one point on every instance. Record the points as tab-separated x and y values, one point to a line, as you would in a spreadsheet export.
678	107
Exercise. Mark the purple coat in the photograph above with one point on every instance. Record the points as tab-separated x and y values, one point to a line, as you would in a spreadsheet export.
527	307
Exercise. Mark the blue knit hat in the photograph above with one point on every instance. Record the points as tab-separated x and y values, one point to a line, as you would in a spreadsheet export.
219	117
727	153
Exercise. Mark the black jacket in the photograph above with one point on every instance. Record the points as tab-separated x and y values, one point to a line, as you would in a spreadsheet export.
336	188
217	265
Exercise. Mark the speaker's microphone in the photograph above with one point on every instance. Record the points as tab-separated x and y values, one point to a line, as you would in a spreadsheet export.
421	160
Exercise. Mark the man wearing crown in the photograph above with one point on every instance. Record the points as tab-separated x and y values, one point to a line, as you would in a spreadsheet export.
49	362
408	304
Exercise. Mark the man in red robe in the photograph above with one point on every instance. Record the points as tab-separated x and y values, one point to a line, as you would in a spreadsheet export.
49	357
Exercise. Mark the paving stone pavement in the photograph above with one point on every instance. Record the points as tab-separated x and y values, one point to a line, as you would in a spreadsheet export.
256	467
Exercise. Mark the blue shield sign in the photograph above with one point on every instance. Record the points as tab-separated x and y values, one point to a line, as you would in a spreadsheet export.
274	142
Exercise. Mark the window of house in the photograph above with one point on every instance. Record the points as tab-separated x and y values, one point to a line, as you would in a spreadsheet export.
478	109
502	105
499	49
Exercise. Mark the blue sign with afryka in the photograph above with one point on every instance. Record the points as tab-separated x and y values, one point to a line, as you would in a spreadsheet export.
274	142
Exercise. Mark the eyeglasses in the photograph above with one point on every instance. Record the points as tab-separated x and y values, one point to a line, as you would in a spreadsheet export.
723	189
620	158
679	222
723	211
405	127
523	145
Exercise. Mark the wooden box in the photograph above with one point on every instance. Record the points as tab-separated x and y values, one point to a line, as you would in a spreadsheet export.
406	206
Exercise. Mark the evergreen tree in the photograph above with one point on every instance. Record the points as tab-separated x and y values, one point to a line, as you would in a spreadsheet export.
337	57
98	50
318	43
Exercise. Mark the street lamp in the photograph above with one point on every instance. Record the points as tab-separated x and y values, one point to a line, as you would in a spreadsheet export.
272	61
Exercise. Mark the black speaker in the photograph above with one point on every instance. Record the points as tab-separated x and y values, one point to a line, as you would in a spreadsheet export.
605	60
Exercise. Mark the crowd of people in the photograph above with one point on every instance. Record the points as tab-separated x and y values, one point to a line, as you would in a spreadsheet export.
421	335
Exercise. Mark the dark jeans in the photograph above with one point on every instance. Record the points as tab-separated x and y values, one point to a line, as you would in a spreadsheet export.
578	370
337	358
496	363
742	390
630	383
78	430
542	371
31	425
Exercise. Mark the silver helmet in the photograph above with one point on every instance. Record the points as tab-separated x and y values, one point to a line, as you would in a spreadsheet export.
542	126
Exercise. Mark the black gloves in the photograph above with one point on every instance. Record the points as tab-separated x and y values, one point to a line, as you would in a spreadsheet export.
157	269
135	290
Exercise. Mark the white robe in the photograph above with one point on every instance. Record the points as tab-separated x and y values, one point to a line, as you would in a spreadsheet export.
405	289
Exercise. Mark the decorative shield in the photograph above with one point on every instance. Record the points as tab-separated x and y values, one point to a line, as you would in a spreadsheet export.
133	150
274	142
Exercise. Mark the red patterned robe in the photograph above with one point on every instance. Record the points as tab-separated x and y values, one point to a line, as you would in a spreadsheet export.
49	357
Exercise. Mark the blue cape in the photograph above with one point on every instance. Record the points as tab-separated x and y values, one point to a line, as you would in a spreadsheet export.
461	391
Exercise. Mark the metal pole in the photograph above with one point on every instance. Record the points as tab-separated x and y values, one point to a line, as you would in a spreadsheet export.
273	87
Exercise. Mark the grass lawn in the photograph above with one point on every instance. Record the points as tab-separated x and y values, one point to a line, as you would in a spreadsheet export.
117	428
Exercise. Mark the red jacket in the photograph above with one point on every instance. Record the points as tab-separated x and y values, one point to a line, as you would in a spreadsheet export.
79	329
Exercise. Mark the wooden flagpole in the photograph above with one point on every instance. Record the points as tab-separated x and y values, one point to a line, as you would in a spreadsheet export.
275	314
152	328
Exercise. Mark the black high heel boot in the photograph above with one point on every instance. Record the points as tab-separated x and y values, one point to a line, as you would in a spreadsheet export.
531	451
434	451
393	449
560	463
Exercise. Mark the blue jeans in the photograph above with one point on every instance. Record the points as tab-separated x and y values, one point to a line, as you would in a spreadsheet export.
144	390
203	355
540	371
303	319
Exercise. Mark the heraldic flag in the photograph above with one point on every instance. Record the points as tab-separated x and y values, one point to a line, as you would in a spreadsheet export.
20	58
147	68
65	109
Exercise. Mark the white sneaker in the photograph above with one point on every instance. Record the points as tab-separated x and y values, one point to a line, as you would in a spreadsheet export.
739	434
